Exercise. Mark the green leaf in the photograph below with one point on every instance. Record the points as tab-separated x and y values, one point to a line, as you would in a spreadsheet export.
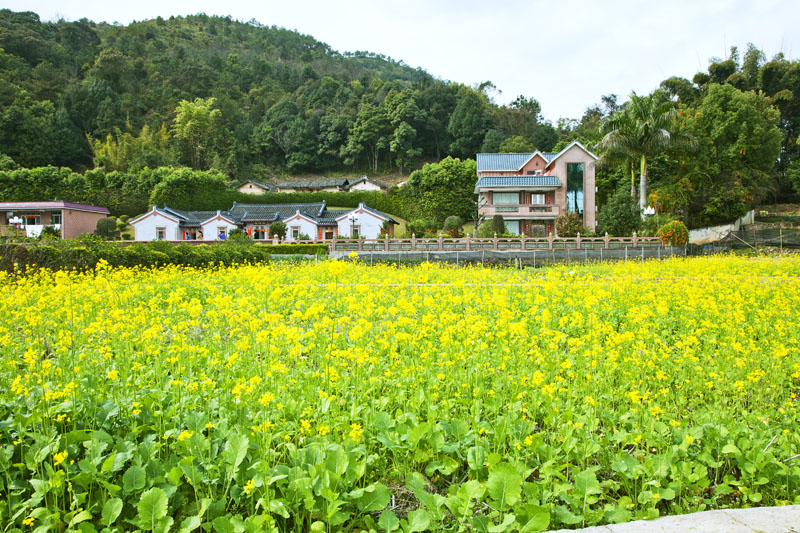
80	517
476	457
418	520
586	484
235	452
134	479
504	484
532	518
374	498
223	525
388	521
506	525
667	494
152	508
564	515
111	511
191	523
730	449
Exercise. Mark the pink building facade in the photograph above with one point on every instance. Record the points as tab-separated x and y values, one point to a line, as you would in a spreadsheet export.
69	218
530	190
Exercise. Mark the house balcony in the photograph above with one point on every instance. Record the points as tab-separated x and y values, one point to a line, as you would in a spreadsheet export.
521	211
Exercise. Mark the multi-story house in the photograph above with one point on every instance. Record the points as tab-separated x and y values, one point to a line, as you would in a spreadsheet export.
530	190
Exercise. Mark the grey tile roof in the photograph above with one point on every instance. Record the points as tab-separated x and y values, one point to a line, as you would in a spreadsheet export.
509	162
314	184
518	181
270	212
378	213
265	186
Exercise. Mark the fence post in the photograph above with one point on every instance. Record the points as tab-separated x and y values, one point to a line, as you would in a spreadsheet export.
360	244
413	241
606	240
522	243
386	243
275	239
635	240
441	243
469	247
550	240
578	243
494	241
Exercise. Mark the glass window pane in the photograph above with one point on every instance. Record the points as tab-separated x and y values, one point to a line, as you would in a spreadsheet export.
505	198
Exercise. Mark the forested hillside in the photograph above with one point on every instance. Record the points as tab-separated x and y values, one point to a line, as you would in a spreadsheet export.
143	103
240	98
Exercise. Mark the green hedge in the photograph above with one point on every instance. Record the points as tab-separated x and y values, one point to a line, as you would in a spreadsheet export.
85	252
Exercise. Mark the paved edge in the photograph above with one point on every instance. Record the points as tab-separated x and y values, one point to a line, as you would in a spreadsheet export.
783	519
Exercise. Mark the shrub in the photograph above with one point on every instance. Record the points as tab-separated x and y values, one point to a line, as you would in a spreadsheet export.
485	230
498	225
419	226
620	216
50	232
238	236
568	224
277	228
674	233
453	226
107	228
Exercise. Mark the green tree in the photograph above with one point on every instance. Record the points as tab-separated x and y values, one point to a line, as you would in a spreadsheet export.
469	123
620	216
445	188
738	146
27	130
200	133
640	131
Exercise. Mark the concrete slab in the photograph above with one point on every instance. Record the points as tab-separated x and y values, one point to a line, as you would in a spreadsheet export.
757	520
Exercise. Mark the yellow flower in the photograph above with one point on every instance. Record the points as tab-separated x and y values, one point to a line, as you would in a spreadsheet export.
185	435
689	439
28	521
248	487
59	458
113	374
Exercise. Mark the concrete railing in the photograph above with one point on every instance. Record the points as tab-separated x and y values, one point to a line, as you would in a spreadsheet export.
445	244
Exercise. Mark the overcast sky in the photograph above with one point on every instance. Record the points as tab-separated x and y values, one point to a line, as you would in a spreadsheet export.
565	54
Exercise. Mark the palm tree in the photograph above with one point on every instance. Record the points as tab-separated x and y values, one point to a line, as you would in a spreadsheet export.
640	131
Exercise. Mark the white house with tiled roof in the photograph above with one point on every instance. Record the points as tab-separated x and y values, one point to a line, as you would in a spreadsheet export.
313	220
530	190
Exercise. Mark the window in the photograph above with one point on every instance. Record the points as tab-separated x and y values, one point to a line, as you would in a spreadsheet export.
537	199
31	219
356	231
295	233
222	232
505	198
575	187
530	172
512	227
161	234
55	217
190	235
329	234
261	232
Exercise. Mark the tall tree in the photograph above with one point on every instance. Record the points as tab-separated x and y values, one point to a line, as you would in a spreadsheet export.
641	130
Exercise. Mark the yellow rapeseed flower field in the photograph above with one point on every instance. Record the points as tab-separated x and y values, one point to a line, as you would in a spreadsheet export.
338	396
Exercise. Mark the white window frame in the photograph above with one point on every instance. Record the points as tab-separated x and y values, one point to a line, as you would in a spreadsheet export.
56	214
222	230
355	231
161	233
294	231
538	196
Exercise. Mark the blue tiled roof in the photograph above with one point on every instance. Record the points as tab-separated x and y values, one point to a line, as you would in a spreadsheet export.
518	181
508	162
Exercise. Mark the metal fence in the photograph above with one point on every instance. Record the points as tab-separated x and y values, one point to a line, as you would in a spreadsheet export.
780	238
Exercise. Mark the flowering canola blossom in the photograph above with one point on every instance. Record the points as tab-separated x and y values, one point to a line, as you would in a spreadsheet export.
294	397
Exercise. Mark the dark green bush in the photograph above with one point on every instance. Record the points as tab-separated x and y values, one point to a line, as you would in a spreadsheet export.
568	224
86	251
453	225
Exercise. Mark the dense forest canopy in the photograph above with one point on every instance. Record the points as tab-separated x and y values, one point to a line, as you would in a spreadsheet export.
241	98
232	101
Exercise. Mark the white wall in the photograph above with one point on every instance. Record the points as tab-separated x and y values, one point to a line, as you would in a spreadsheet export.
370	224
211	227
145	228
365	186
715	233
249	188
306	226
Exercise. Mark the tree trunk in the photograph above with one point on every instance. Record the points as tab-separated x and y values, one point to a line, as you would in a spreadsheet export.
633	179
643	185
